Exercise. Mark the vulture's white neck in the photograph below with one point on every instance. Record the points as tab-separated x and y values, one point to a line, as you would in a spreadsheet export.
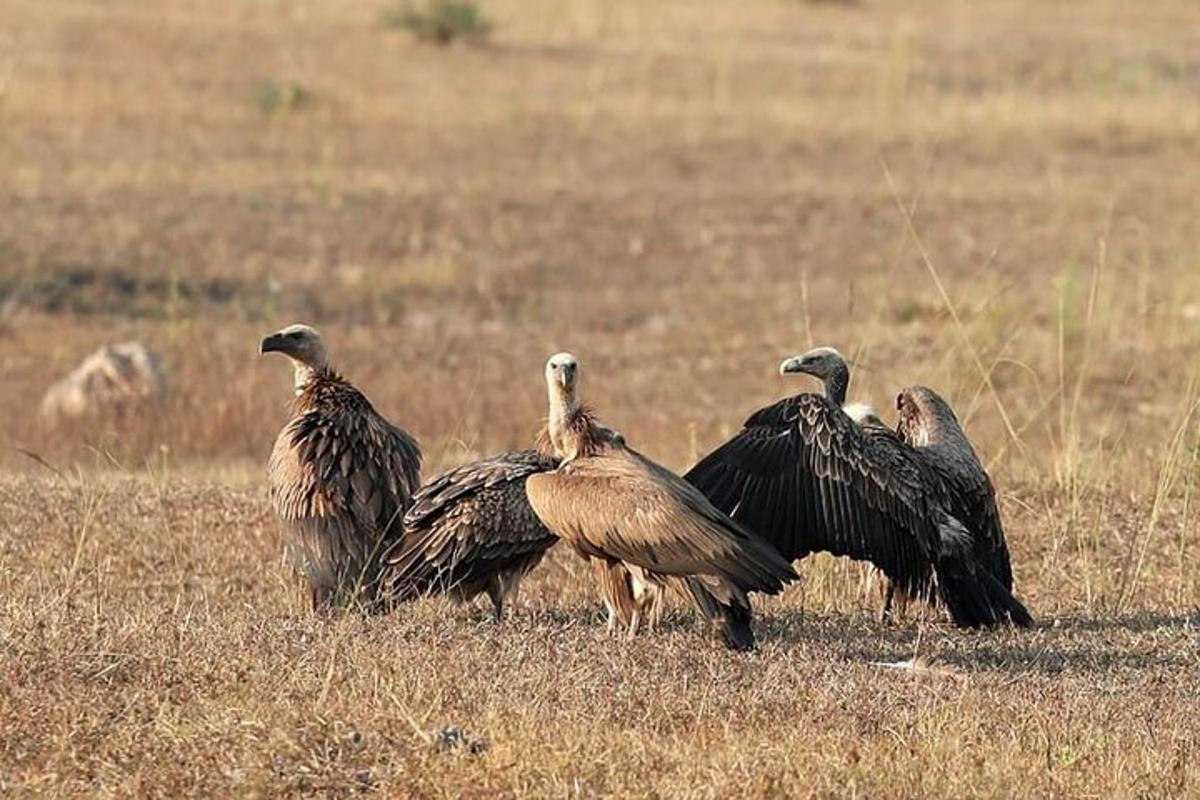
305	372
563	406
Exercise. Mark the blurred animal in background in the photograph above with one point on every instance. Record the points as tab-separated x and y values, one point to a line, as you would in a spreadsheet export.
116	379
341	478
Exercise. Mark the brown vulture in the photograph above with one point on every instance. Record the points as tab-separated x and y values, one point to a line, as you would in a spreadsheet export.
471	530
927	422
804	476
616	507
341	477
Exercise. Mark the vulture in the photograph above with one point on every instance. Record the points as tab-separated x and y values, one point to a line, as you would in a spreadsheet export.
643	528
471	530
341	477
927	422
806	477
827	365
972	494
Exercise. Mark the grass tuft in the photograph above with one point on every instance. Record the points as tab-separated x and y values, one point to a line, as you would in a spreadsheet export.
275	98
440	21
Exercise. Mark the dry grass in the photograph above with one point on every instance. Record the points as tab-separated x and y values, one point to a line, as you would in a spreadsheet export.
995	198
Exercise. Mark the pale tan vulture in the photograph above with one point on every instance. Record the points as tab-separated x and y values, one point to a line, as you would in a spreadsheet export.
471	530
341	477
805	477
615	506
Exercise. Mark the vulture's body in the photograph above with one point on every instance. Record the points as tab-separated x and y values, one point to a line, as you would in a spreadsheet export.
644	529
830	367
928	423
807	478
471	530
341	478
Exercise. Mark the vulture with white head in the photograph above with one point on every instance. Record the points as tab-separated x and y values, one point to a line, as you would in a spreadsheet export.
341	477
642	526
807	478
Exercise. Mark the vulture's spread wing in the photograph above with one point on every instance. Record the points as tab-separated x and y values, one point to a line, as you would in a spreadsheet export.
806	478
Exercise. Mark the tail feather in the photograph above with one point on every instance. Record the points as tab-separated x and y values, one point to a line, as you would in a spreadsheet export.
725	607
972	594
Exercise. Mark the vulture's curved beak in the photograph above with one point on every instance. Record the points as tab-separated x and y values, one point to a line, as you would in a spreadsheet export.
792	365
271	344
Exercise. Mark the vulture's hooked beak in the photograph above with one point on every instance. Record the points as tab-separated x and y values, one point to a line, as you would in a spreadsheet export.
792	365
271	344
564	379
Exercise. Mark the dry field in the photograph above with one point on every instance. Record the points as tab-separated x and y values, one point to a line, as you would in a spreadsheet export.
998	199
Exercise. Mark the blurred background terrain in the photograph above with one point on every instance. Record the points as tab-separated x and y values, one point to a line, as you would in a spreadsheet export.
996	199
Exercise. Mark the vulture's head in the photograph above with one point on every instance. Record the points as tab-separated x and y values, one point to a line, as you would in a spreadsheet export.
921	412
864	414
301	343
562	373
823	363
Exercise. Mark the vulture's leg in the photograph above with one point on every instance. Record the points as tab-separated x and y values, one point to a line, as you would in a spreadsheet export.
495	592
895	604
655	607
634	622
889	597
612	618
510	586
901	613
644	594
323	601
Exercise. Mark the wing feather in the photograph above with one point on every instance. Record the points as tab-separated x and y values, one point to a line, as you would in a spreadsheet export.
469	524
806	478
341	476
620	505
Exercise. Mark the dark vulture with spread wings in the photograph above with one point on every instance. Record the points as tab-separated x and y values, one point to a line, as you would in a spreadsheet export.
807	478
341	478
471	530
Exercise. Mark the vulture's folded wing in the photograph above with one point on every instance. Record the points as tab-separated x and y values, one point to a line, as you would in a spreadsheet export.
619	505
467	524
341	478
356	465
973	500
